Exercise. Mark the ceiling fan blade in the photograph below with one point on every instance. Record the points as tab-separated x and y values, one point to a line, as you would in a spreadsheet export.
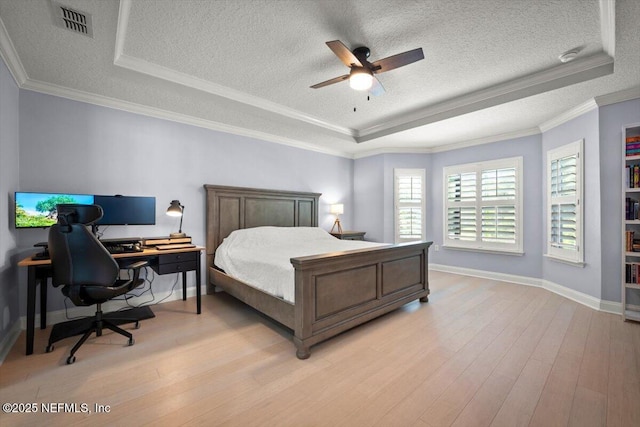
343	53
376	87
330	82
398	60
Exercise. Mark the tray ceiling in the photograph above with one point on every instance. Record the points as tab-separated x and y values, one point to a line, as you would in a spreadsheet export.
491	68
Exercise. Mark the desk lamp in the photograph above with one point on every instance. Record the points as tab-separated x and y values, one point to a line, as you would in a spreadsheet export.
176	209
337	209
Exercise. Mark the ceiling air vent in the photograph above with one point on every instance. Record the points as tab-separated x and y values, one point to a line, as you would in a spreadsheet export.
72	19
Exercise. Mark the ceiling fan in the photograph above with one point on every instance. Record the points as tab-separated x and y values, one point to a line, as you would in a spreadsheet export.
362	74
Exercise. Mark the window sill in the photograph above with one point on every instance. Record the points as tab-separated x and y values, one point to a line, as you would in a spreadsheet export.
484	251
580	264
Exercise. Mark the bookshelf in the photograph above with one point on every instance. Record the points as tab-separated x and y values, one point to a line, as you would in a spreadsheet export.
631	222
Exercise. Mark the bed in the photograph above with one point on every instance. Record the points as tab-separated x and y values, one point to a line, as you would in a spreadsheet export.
333	292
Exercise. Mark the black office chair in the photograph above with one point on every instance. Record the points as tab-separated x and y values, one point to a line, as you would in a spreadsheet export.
86	271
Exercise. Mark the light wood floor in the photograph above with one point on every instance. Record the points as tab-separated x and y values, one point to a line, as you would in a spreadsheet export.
479	353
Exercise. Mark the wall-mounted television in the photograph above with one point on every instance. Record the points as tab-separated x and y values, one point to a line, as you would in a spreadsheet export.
38	210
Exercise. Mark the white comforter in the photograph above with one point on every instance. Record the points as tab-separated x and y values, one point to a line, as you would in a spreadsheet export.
261	256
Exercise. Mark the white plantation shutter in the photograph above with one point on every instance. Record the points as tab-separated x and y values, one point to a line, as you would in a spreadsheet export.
462	187
462	223
498	205
483	205
564	208
409	204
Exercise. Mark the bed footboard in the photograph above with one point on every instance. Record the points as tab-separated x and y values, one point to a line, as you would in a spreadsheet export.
337	291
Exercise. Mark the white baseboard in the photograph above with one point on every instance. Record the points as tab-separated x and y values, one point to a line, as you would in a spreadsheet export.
579	297
59	316
503	277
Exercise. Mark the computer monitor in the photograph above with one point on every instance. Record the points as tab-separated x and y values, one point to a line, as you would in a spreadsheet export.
38	210
127	210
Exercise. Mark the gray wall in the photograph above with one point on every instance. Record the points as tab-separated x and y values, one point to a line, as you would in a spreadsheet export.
9	100
526	265
68	146
601	131
588	278
374	208
368	180
373	192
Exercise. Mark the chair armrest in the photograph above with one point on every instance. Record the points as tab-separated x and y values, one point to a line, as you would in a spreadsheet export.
136	265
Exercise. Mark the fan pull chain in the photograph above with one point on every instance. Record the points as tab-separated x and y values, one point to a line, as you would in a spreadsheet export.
368	99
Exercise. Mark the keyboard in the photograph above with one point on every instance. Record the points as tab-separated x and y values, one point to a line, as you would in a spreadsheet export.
121	249
175	246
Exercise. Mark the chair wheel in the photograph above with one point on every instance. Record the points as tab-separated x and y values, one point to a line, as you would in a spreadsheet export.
131	342
49	348
70	360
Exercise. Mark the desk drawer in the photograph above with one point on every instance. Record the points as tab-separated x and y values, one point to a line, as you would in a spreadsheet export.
175	262
174	267
178	257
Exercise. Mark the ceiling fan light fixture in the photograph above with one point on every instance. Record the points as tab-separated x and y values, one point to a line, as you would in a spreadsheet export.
360	79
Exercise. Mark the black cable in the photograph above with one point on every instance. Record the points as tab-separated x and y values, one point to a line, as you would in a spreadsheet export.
126	297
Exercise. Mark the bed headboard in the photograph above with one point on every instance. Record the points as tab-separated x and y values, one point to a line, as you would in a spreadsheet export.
233	208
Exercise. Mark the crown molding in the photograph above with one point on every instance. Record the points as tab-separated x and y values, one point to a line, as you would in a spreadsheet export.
124	11
621	96
449	147
10	57
553	78
487	140
569	115
104	101
167	74
183	79
608	26
390	150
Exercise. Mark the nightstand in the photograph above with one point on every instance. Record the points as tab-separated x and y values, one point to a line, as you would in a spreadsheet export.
349	235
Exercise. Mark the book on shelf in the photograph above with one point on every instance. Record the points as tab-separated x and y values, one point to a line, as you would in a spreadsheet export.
632	139
629	240
632	209
633	176
632	273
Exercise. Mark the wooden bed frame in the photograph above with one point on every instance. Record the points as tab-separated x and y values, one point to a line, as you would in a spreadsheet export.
333	292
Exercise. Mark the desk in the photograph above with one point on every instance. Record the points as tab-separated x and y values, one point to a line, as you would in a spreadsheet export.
163	262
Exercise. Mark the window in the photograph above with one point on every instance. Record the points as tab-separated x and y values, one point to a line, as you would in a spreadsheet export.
409	204
564	203
483	206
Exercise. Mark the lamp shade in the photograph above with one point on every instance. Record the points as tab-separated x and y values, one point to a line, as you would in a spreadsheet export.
175	208
360	78
337	209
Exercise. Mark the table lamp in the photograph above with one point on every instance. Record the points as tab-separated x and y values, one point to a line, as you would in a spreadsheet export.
337	209
176	209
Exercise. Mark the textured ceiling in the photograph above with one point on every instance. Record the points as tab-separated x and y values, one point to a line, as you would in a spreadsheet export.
491	67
